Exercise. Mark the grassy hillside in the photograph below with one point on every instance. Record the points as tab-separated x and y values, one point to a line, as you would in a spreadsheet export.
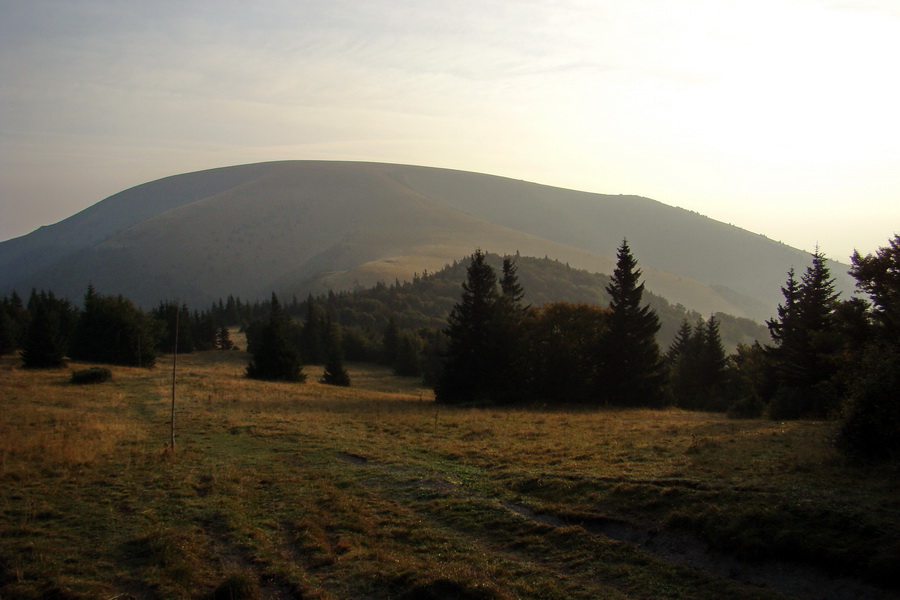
250	229
308	491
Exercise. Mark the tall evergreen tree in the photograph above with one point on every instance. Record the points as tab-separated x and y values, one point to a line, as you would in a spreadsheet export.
335	373
275	358
49	331
631	366
696	363
785	326
808	340
509	353
13	320
681	342
509	282
313	348
878	276
470	365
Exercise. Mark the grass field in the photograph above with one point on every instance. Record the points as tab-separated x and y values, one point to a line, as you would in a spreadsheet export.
374	492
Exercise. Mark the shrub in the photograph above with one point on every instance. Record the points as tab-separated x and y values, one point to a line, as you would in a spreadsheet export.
237	586
870	428
747	407
92	375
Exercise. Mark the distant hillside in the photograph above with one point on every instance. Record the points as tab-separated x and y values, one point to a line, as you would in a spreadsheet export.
427	300
309	226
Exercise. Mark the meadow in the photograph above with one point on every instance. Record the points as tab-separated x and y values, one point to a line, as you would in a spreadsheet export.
278	490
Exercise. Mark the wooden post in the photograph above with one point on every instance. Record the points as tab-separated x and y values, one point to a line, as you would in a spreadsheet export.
174	365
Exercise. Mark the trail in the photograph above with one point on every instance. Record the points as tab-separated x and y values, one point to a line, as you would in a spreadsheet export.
794	580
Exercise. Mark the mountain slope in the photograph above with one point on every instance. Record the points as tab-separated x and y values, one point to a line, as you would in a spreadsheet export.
302	226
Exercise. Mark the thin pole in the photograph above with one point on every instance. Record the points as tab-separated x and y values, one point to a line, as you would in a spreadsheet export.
174	365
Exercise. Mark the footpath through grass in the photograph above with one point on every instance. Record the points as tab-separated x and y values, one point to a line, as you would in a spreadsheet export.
371	492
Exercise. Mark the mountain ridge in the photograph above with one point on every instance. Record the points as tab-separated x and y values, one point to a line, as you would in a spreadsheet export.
306	226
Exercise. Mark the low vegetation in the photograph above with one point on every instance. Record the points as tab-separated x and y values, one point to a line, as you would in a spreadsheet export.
279	490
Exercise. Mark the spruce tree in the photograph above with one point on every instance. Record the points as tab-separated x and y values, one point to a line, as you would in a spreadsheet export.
509	282
50	326
335	373
223	339
509	355
274	356
878	276
13	320
631	371
313	348
680	343
111	329
470	364
808	341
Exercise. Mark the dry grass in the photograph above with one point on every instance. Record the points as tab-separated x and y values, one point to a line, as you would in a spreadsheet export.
373	491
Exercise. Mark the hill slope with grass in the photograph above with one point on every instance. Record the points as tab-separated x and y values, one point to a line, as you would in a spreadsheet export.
280	490
311	226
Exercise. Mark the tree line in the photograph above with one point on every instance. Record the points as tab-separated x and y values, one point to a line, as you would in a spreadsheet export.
828	357
108	329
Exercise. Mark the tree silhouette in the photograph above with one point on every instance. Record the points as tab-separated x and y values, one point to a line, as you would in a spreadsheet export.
274	356
470	365
808	341
111	329
49	330
631	371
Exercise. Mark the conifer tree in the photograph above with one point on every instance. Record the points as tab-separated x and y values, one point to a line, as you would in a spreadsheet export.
509	352
335	373
313	347
111	329
630	364
878	276
807	340
680	343
274	356
49	330
13	319
470	365
223	339
509	282
713	356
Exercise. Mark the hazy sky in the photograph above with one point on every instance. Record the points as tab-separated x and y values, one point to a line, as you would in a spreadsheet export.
780	116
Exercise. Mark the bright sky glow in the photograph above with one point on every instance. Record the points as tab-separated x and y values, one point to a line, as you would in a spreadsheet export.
779	116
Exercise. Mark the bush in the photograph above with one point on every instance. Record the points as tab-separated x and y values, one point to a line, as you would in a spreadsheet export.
748	407
870	428
92	375
237	586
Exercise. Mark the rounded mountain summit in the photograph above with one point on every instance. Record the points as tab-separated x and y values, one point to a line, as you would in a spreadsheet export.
296	227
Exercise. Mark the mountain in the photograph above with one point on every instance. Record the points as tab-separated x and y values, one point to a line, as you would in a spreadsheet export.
307	226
